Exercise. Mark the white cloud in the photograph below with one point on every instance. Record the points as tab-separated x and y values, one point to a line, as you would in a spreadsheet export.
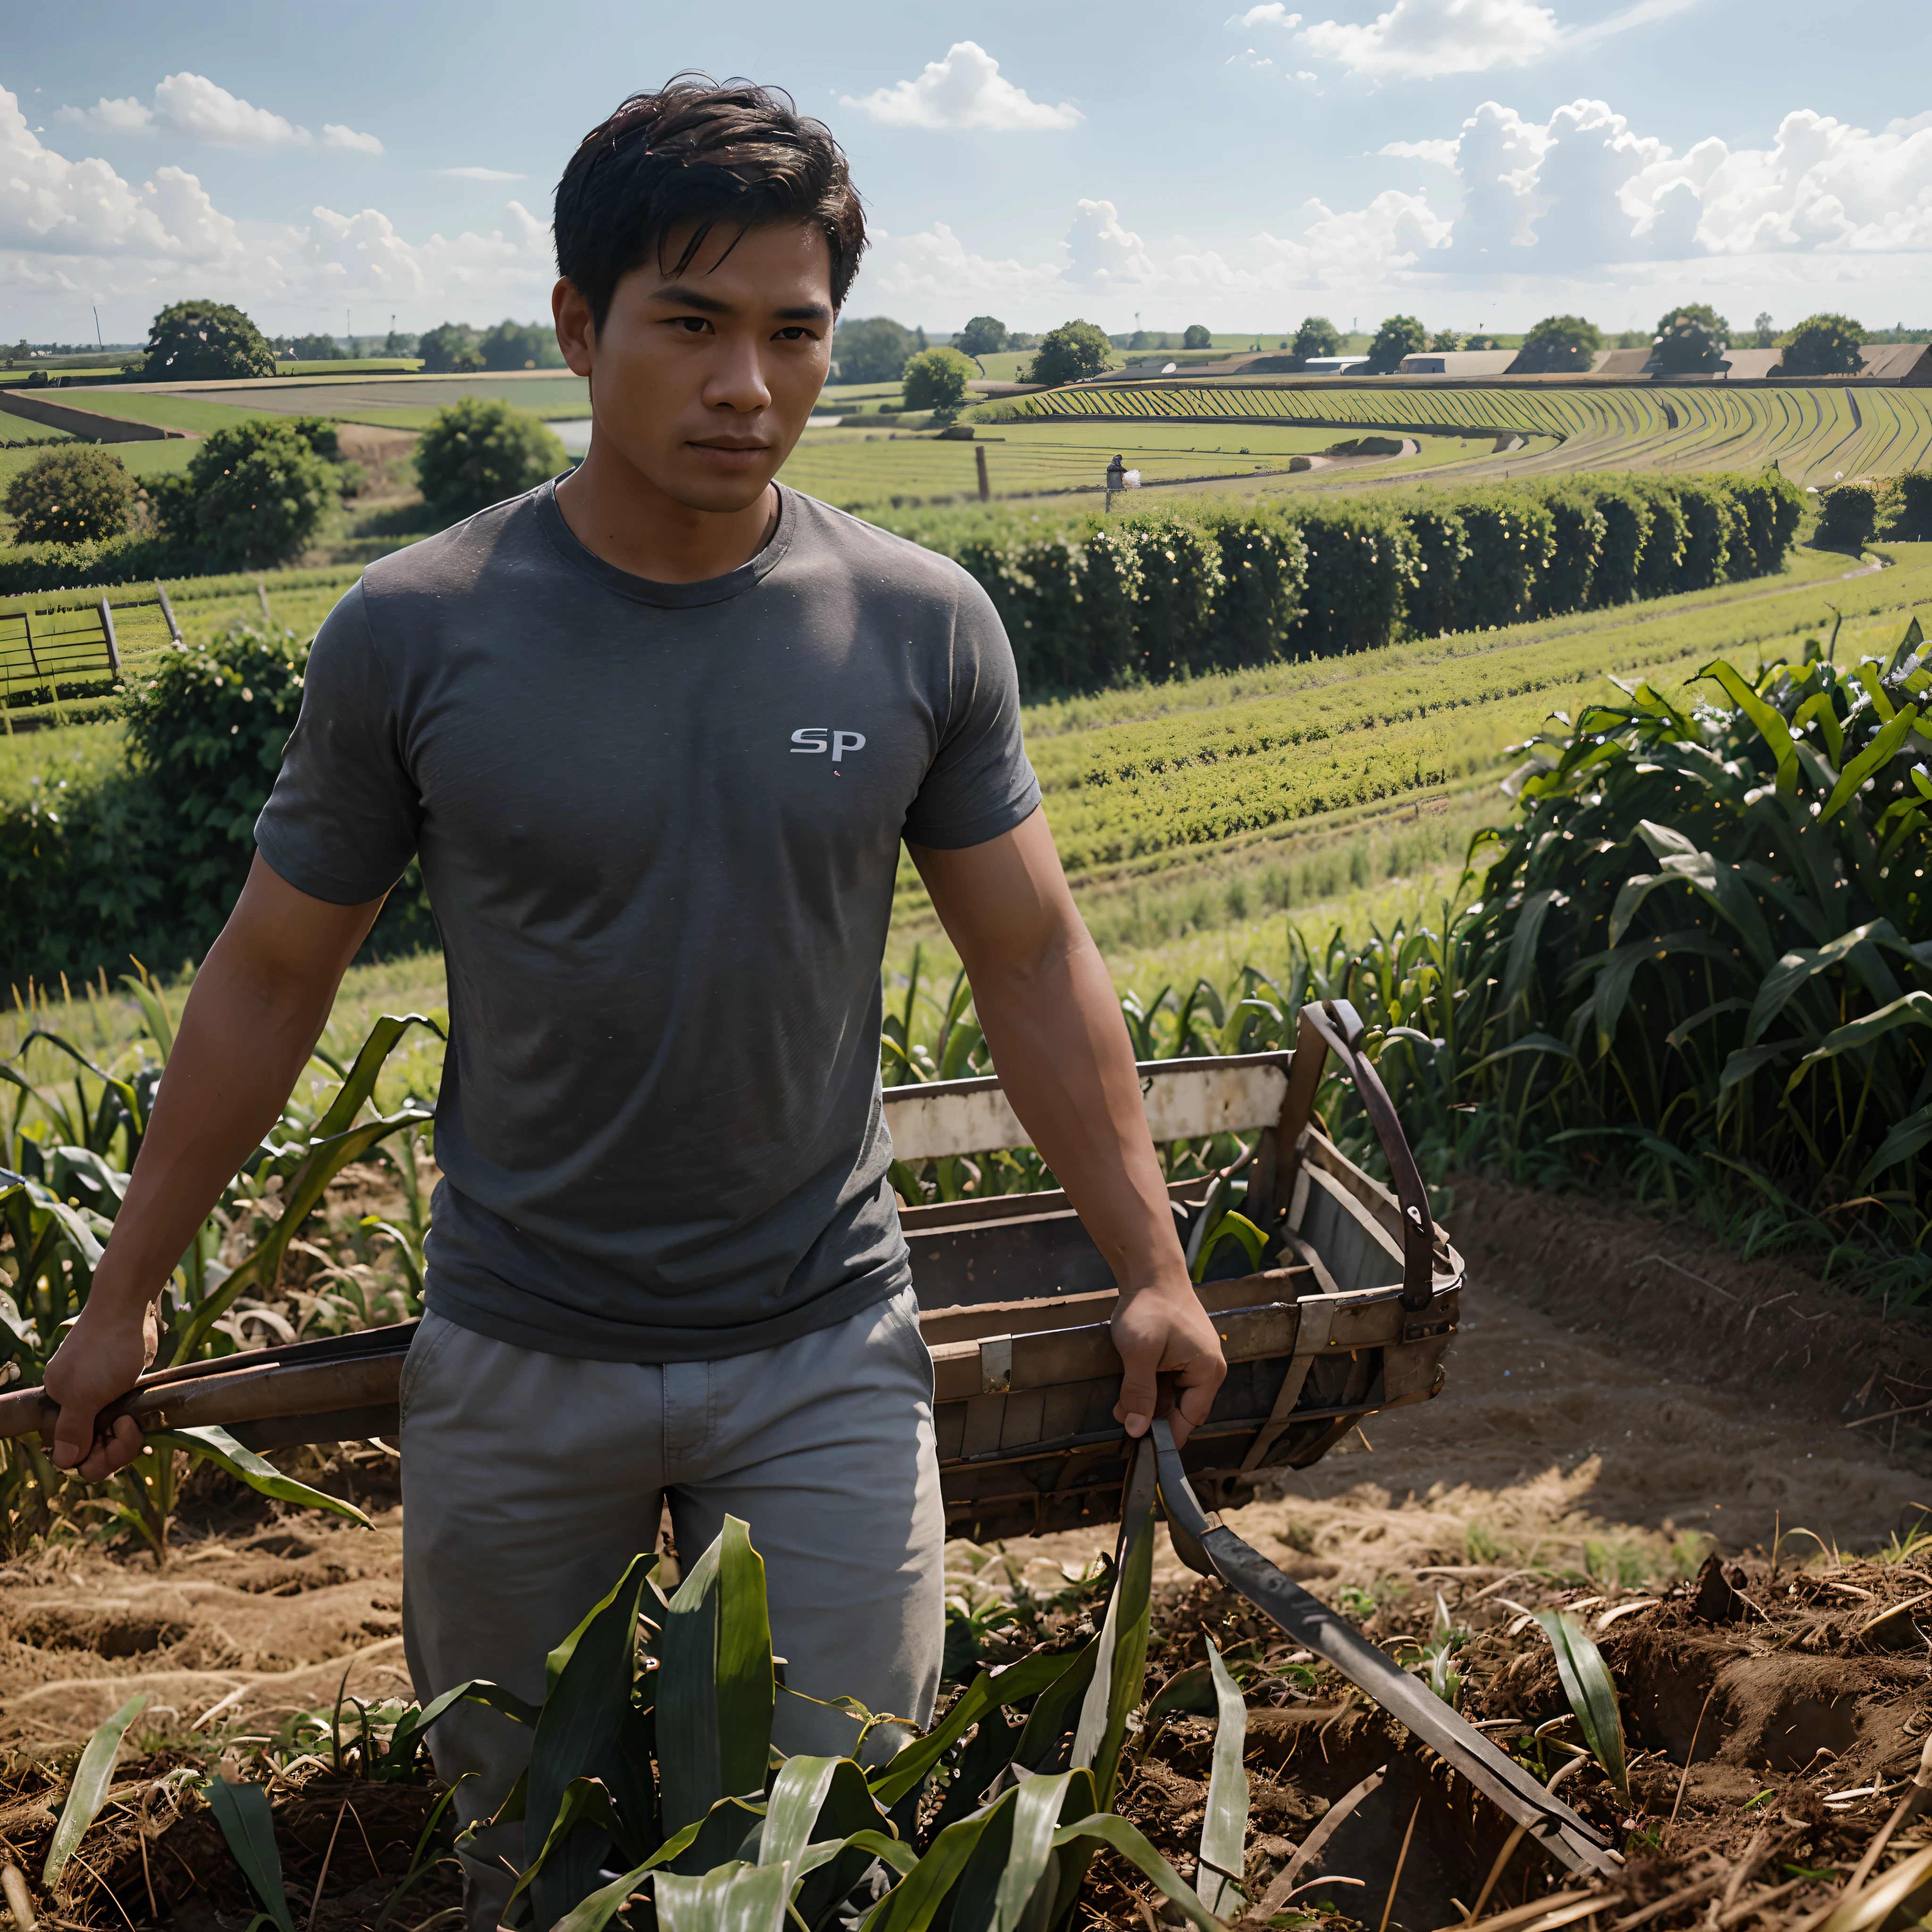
937	266
966	89
1442	154
481	174
1104	254
1416	39
335	136
1586	188
1270	14
76	230
1249	58
193	107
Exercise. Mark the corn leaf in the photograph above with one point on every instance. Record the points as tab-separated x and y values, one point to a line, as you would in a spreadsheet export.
360	1082
1231	1227
1903	1142
580	1733
1037	1804
733	1898
1120	1667
1591	1691
247	1822
1224	1826
690	1776
155	1011
584	1802
1029	1677
1883	748
1112	1830
211	1443
1770	725
88	1791
746	1681
1797	967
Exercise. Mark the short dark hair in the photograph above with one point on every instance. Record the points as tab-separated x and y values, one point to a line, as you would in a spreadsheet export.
696	152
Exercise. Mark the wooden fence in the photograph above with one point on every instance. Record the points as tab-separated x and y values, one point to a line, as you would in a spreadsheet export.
47	655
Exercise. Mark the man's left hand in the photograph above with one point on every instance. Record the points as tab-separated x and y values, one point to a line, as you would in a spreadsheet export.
1162	1330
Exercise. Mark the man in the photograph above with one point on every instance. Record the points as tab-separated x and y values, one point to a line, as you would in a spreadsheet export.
656	732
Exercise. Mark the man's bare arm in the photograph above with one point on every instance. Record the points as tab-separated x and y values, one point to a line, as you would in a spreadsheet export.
1052	1018
257	1008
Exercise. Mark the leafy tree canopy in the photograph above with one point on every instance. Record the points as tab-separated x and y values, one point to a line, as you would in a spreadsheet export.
1070	353
203	341
874	349
1557	343
1318	336
984	335
1198	336
1763	329
936	379
1400	335
1692	340
476	453
312	349
1445	341
78	494
449	348
1824	345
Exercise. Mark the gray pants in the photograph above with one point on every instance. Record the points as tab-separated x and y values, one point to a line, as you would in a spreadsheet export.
530	1480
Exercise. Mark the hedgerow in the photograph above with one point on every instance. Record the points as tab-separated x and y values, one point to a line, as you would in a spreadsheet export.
1091	601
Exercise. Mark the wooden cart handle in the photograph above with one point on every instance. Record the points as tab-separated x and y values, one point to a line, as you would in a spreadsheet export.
1333	1026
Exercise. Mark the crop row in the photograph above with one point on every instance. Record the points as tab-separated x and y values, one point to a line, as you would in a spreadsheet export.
1811	433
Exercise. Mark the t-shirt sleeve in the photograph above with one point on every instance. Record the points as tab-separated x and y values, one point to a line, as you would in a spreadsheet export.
980	784
342	821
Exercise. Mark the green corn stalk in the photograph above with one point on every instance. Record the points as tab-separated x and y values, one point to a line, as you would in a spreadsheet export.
1224	1824
1591	1692
247	1822
88	1791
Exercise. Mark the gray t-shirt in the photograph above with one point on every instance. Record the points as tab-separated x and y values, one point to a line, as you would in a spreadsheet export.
659	824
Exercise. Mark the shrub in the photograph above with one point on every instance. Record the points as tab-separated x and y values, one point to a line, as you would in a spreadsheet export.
476	454
1823	345
1511	539
1707	535
253	494
1626	514
1851	516
202	341
1362	567
1669	535
1400	335
1180	583
1556	344
1580	530
127	559
79	494
1198	336
936	380
1442	548
518	345
1913	494
1771	505
1070	353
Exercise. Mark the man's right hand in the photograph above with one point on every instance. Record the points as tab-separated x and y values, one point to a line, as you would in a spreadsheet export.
101	1358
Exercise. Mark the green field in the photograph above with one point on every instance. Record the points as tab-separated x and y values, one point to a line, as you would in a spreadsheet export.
1812	433
859	468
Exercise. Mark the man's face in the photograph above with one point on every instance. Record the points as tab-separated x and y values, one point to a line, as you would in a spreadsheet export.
703	381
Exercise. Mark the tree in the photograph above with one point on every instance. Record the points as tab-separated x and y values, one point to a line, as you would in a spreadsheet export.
1767	336
515	345
983	335
1198	336
1446	342
310	348
449	348
1070	353
1556	344
1317	336
395	343
476	453
1482	342
1140	339
203	341
1020	339
1824	345
1692	340
78	494
1399	336
936	379
875	349
253	493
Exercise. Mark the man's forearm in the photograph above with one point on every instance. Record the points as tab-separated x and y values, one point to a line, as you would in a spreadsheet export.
1065	1062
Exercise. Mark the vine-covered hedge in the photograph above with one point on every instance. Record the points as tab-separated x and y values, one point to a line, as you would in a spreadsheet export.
1173	592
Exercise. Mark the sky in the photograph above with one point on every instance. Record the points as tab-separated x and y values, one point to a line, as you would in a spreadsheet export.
1475	163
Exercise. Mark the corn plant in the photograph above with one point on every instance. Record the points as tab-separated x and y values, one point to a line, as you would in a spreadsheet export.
651	1757
64	1159
1699	961
1591	1693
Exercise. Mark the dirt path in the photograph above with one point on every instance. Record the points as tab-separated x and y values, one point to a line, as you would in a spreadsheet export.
1620	1386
